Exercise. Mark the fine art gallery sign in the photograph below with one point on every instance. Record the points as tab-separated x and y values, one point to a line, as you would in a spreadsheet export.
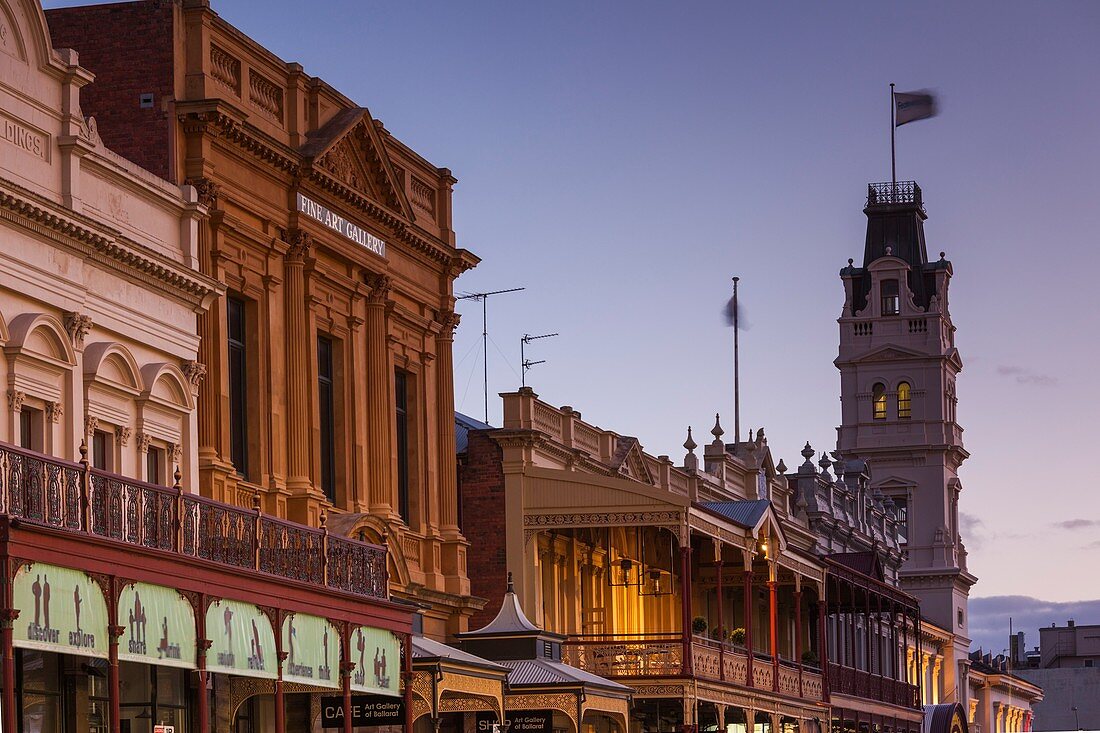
158	626
339	224
60	610
242	641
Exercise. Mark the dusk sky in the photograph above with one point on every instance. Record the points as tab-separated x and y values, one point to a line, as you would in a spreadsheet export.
623	160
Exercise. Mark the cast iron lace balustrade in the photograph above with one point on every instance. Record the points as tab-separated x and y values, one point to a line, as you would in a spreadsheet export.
69	497
890	194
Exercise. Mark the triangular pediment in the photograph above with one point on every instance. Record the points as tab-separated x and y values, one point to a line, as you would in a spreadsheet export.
630	461
349	150
892	353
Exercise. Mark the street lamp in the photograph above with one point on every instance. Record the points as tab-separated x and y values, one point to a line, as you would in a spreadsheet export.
1076	720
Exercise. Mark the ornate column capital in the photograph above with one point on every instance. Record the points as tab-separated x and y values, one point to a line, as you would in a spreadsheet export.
124	434
15	399
143	441
207	189
54	411
299	243
448	322
195	371
379	288
91	424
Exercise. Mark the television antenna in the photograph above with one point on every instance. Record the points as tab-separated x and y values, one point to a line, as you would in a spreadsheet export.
526	363
483	298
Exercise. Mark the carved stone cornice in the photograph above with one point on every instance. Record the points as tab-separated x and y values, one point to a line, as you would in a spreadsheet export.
77	326
100	243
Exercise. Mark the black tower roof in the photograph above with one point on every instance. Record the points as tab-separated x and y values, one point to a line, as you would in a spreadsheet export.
895	228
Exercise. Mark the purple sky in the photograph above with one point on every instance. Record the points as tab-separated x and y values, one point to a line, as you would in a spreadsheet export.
622	160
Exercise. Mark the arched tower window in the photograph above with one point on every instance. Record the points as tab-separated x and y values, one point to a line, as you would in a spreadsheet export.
890	300
905	403
878	399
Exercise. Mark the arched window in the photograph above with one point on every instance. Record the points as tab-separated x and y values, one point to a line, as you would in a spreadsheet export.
905	404
878	398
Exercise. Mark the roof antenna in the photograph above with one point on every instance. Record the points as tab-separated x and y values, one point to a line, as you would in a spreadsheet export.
526	363
484	298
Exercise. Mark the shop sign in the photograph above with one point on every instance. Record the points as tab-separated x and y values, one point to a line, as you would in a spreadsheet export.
312	645
60	610
365	710
164	729
342	226
377	657
143	607
517	721
242	642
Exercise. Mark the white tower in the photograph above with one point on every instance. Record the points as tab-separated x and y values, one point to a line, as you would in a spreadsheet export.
898	364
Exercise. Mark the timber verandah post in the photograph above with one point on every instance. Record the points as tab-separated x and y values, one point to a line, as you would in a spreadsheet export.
721	619
114	631
748	627
10	614
688	665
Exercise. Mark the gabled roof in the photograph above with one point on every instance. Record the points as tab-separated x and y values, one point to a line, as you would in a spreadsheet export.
629	461
745	513
862	562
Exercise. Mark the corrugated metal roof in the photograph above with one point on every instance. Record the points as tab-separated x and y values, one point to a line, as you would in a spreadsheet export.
546	672
463	425
746	512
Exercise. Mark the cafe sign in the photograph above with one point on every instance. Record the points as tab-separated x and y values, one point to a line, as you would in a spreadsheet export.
158	626
312	645
60	610
376	654
242	642
342	226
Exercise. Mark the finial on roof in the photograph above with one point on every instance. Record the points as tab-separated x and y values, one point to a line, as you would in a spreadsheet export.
717	430
889	250
943	255
850	262
760	435
751	439
808	452
781	467
511	585
690	444
824	462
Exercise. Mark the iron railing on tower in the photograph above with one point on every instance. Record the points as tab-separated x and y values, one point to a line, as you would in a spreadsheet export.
892	194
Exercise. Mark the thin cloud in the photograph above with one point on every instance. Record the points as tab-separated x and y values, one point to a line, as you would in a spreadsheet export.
989	618
1026	376
972	530
1073	524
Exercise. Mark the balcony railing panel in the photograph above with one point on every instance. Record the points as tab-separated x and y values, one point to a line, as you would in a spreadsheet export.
848	681
626	655
71	497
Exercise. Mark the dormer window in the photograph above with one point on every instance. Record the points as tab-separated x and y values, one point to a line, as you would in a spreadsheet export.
890	300
905	402
878	400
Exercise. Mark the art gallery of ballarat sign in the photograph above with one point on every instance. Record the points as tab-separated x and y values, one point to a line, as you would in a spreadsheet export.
365	710
518	721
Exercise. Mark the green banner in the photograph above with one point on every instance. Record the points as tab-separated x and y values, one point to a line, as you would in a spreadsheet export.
60	610
312	645
242	642
172	619
377	657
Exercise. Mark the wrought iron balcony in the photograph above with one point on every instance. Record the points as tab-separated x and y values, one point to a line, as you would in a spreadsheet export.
893	194
72	497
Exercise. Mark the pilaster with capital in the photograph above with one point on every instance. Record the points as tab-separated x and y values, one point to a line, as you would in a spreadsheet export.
298	383
383	498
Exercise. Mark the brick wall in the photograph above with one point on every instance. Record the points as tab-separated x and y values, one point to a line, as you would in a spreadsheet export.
129	47
481	488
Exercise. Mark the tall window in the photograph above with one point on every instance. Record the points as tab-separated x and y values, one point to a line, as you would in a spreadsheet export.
238	386
154	465
878	398
890	300
101	450
401	389
902	504
30	429
326	398
905	402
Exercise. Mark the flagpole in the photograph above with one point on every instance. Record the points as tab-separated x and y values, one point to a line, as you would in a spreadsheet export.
736	381
893	157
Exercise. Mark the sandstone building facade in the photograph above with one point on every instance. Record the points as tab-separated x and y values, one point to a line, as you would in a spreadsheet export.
328	393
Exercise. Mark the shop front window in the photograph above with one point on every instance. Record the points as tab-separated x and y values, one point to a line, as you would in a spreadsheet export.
41	692
151	696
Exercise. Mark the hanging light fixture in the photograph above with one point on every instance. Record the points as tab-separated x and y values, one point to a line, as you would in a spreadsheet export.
624	573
